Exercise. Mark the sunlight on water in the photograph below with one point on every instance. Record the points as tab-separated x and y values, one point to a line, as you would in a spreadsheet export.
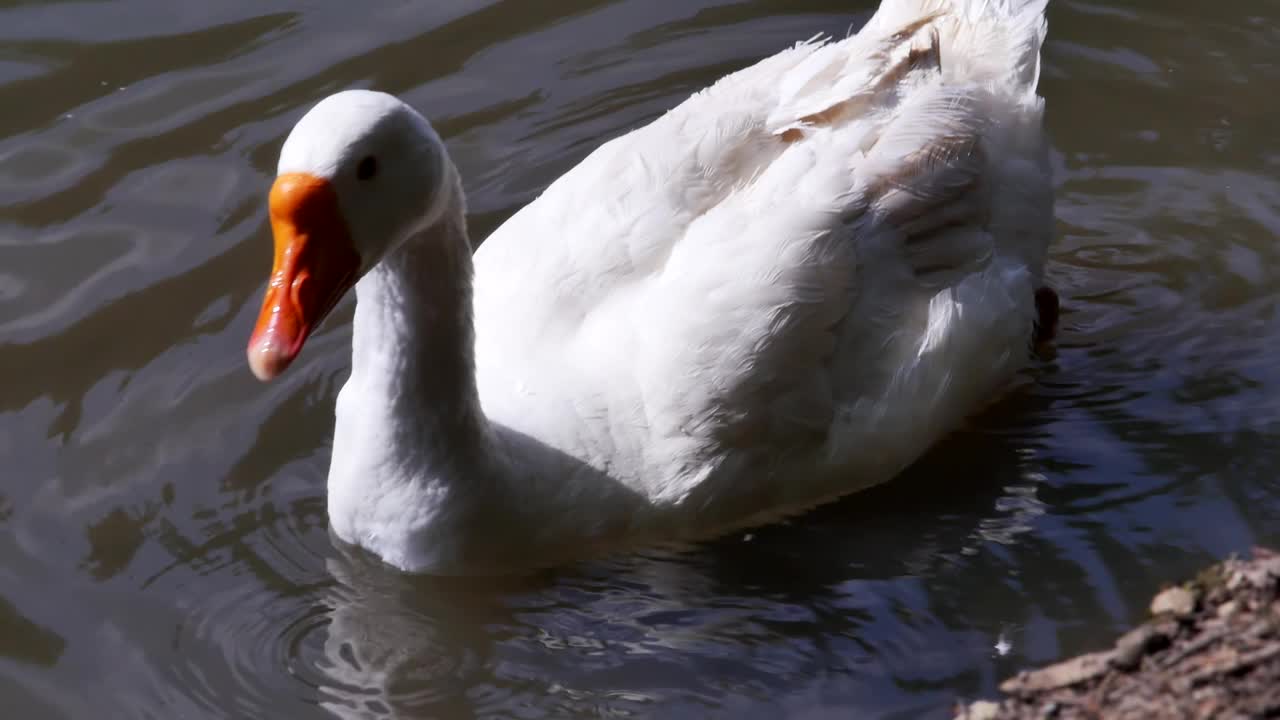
163	539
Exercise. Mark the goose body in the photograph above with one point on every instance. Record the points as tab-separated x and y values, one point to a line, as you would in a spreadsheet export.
783	290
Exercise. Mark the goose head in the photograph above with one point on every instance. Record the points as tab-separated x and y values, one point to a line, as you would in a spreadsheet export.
359	174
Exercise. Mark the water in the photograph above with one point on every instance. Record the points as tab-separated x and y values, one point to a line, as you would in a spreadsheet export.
163	546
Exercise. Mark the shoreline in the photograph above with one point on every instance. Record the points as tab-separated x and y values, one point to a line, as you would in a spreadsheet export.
1210	649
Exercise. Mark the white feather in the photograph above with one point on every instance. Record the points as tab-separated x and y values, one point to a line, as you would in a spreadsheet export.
783	290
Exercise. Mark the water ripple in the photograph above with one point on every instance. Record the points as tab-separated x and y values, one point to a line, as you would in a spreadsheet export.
165	546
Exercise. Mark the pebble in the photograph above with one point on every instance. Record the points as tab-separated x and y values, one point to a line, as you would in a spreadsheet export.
1136	643
983	710
1177	601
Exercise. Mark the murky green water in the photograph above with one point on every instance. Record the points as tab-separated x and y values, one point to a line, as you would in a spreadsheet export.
163	548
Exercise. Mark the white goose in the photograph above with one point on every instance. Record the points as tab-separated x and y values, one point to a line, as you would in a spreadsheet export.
783	290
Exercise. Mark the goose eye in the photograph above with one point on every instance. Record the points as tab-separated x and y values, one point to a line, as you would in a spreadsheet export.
367	168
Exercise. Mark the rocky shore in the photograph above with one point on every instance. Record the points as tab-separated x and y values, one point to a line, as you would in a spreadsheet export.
1211	649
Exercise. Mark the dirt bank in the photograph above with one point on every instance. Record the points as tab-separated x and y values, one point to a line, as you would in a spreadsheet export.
1210	650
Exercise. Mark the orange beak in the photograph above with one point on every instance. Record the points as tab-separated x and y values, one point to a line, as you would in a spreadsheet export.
314	266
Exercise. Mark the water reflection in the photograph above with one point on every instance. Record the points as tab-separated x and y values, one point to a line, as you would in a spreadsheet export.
758	615
26	641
